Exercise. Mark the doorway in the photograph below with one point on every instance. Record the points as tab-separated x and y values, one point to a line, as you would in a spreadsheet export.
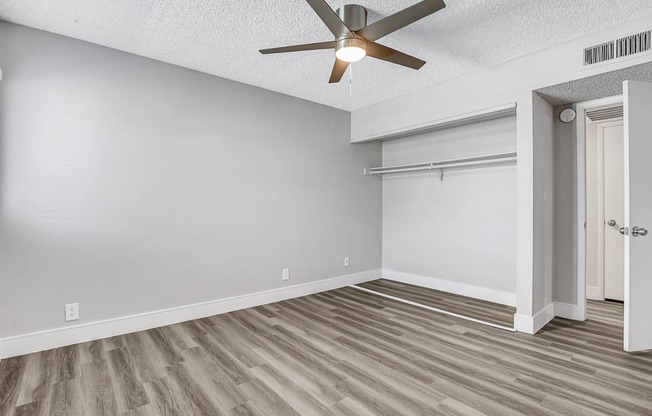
605	178
589	273
636	99
637	201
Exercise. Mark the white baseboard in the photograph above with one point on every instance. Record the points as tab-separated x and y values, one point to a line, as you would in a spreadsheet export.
59	337
478	292
569	311
532	324
593	293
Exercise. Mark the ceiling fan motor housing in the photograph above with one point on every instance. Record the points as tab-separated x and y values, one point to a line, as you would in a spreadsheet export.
354	16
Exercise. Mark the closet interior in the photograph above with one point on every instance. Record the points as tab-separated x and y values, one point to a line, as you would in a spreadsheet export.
449	215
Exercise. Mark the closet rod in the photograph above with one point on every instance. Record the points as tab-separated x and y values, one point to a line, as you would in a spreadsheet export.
501	159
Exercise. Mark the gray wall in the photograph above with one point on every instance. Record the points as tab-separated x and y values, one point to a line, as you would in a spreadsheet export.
462	229
130	185
565	156
544	200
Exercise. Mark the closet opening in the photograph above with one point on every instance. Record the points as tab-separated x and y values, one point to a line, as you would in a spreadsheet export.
449	236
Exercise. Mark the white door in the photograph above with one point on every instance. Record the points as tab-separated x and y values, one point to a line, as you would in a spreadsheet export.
637	99
611	136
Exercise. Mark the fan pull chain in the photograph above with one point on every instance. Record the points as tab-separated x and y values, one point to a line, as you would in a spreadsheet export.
351	80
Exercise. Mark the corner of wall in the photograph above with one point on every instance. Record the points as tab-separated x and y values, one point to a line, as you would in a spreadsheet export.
570	311
532	324
450	286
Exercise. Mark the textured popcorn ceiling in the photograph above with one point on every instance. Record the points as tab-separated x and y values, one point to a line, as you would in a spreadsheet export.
607	84
223	37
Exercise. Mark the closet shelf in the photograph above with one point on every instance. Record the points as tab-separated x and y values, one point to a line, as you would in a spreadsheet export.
500	159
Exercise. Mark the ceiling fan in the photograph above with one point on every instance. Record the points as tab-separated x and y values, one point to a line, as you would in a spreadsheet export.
354	39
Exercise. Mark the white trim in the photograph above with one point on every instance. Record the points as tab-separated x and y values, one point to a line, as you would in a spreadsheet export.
430	308
568	311
627	214
594	293
523	323
601	211
532	324
580	196
59	337
478	292
492	113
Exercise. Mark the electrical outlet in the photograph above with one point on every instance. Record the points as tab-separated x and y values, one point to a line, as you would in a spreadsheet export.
286	274
72	312
346	262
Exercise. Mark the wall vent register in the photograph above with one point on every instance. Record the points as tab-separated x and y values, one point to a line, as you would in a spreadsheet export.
619	48
605	113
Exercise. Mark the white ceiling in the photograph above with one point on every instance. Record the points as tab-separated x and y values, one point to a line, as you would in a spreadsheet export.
222	37
603	85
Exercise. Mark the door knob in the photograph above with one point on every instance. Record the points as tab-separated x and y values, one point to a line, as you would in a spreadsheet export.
624	230
611	223
639	232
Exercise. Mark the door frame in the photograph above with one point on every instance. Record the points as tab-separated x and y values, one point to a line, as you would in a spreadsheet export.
580	195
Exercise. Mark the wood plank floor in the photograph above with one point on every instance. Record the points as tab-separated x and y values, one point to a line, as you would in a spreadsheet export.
343	352
494	313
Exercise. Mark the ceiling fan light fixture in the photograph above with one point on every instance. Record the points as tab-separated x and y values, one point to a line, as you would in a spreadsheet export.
355	39
350	50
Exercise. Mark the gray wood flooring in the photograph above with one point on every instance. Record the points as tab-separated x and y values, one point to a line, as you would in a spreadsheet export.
343	352
494	313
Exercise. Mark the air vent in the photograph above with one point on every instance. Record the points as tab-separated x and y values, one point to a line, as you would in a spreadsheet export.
619	48
605	113
634	44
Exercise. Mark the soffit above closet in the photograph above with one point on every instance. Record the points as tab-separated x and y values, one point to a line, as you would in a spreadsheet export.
223	37
607	84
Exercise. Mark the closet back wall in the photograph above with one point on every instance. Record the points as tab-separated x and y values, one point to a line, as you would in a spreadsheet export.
460	234
130	185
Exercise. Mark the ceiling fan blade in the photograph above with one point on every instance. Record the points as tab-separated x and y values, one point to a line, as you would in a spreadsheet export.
330	18
378	51
298	48
392	23
339	68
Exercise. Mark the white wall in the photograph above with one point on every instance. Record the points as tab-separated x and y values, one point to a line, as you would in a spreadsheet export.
459	234
130	186
604	188
611	136
594	212
510	82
